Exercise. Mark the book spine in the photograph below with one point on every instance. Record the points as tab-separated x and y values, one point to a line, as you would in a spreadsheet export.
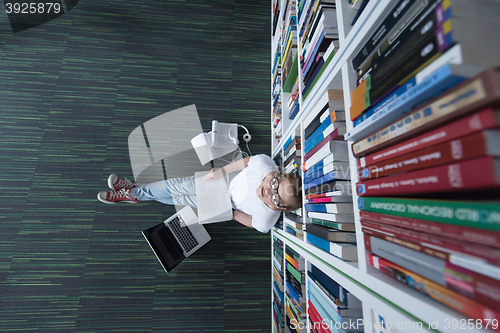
469	96
391	20
439	293
334	208
388	233
463	281
474	235
485	119
324	179
457	176
468	147
403	99
318	242
382	84
329	133
484	215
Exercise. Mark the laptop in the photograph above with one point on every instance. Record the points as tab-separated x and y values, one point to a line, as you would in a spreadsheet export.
213	200
176	238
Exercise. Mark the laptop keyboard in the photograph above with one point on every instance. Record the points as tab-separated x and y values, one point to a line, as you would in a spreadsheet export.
183	234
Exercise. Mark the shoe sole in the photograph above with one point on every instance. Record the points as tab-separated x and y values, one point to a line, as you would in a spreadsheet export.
110	182
111	202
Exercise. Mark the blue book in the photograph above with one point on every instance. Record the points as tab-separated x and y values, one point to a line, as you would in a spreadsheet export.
404	99
279	292
312	58
333	175
319	242
317	134
332	312
292	293
333	208
294	110
335	289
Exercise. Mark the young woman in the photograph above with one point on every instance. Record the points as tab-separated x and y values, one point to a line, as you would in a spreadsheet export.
259	193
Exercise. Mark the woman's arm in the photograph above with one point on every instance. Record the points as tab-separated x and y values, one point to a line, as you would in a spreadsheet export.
235	166
243	218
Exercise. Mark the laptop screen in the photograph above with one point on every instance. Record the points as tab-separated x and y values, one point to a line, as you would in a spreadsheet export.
165	246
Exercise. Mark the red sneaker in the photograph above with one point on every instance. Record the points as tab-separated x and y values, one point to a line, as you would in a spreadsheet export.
117	183
112	197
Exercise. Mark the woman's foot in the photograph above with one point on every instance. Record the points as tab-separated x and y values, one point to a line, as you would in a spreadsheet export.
112	197
117	183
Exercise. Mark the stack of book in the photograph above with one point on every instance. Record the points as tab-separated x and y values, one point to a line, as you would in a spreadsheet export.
330	306
295	291
318	38
421	49
276	94
326	178
292	152
429	197
278	285
294	224
289	45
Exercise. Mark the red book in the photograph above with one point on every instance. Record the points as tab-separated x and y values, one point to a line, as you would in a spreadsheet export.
434	245
483	143
316	318
334	198
480	236
332	136
450	298
485	119
480	173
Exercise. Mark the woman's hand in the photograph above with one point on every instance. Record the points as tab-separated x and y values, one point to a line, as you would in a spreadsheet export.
214	174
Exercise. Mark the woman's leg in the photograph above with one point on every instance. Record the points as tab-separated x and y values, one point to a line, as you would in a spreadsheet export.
173	191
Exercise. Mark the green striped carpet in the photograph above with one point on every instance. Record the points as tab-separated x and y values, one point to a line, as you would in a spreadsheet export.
70	93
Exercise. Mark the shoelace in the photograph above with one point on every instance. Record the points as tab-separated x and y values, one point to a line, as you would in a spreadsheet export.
119	194
122	182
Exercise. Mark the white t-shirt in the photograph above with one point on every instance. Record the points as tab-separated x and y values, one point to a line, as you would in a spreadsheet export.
243	187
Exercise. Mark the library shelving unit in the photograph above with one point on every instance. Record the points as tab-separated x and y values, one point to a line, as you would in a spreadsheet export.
382	298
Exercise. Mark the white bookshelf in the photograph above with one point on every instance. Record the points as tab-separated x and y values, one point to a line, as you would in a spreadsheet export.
380	294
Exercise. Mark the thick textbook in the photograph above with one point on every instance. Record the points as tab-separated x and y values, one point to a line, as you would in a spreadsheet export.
427	50
476	214
476	174
450	298
331	198
331	235
478	92
402	8
319	169
483	143
344	251
485	119
473	285
475	235
474	256
417	89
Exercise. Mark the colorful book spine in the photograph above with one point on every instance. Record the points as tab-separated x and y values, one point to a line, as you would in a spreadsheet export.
476	174
478	92
450	298
333	175
404	98
484	119
347	226
331	133
468	283
333	208
475	235
427	50
436	245
475	214
468	147
336	149
345	251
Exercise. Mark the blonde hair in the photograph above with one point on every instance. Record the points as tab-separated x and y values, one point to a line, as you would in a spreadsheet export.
296	182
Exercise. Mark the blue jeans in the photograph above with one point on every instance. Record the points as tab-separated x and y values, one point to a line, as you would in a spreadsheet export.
173	191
